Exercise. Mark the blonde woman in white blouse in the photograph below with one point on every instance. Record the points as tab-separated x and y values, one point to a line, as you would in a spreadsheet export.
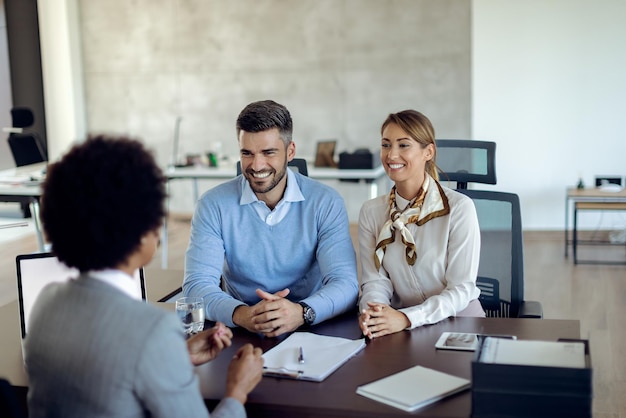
420	244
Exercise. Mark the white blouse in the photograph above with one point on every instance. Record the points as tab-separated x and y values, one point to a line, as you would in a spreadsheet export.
442	282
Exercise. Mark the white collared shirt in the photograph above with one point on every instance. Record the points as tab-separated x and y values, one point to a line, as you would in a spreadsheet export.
272	217
119	280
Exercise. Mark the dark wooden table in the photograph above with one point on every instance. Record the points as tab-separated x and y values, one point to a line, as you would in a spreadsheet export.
336	396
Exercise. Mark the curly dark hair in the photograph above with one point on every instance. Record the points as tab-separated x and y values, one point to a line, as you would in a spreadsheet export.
100	199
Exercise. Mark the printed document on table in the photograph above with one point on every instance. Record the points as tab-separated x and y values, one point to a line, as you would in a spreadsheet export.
321	354
533	353
413	388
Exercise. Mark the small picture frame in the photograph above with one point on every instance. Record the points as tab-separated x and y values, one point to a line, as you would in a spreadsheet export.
325	154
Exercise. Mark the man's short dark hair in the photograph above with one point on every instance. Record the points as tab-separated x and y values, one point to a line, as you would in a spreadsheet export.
100	199
264	115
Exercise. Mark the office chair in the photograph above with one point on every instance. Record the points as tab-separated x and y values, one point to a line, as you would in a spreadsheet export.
465	161
501	268
26	147
297	164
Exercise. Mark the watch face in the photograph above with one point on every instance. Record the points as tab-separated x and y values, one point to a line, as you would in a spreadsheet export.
309	314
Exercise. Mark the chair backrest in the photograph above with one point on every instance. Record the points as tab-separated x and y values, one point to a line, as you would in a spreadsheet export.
501	270
22	117
26	149
26	145
297	164
466	161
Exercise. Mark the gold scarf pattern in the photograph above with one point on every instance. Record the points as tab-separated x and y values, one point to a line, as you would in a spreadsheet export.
398	220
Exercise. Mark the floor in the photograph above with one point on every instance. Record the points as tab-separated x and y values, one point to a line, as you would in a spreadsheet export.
593	294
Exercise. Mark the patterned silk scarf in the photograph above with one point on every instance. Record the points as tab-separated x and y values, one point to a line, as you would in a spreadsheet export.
398	220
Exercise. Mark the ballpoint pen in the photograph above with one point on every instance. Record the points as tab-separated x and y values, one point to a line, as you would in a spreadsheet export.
301	356
282	372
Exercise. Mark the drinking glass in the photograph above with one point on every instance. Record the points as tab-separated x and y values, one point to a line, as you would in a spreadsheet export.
190	310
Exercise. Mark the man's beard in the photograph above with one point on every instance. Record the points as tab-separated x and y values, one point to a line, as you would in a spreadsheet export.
278	176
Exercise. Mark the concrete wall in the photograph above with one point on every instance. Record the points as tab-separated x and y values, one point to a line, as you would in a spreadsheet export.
340	66
542	79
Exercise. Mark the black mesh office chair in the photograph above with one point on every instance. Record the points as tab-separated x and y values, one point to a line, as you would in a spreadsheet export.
297	164
501	269
26	147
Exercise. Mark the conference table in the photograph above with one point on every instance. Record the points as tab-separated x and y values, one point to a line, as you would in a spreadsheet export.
336	396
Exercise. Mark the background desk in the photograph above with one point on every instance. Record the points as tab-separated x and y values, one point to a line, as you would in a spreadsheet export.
371	176
12	191
588	199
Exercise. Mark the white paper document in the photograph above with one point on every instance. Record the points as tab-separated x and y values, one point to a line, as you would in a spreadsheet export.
308	356
413	388
533	353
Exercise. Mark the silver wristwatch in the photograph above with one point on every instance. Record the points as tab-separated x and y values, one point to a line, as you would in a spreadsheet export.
308	313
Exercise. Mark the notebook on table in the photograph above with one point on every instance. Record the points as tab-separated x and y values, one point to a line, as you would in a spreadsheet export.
35	271
413	388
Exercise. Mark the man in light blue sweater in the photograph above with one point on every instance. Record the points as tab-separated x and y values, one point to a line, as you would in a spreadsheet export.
270	250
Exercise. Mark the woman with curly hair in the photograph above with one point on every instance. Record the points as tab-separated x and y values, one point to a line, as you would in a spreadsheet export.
93	349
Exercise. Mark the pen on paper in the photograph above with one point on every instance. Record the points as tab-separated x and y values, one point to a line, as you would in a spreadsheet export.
282	372
301	356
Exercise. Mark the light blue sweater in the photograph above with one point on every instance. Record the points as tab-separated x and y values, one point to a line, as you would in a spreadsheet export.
309	251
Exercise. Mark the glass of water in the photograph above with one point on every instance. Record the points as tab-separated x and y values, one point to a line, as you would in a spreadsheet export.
190	310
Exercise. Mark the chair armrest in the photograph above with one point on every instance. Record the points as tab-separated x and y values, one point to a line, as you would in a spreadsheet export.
530	309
